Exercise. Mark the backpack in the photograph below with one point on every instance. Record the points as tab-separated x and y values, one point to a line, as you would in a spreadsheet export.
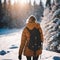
35	40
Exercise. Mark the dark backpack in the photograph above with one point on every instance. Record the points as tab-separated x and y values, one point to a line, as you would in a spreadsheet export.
35	40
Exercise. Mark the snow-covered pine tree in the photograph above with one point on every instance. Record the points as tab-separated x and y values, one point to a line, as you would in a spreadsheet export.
51	27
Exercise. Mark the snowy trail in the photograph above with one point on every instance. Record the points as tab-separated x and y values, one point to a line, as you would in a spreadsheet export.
10	42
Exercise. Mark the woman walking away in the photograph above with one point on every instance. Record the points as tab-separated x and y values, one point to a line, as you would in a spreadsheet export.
31	41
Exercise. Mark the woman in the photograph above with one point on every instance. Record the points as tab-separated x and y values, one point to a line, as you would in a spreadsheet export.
25	40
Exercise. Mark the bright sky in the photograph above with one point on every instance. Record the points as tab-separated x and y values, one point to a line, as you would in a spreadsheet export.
24	1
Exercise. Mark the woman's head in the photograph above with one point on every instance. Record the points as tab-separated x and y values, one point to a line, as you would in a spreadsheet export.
31	19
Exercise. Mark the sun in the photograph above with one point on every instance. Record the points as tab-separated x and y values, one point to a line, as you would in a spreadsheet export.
23	1
12	2
19	1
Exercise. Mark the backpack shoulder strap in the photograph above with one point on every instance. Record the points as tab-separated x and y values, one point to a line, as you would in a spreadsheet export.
28	29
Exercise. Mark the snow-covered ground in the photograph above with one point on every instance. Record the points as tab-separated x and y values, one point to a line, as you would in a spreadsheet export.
10	42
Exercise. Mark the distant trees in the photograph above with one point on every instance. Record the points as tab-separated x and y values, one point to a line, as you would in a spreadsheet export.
57	2
0	10
1	13
48	4
38	10
15	16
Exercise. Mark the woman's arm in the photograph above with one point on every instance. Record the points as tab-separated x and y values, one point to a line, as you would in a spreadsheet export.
23	41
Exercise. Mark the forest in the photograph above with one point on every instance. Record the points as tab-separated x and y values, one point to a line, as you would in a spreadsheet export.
15	15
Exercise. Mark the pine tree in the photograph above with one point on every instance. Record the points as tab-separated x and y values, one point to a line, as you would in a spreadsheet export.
4	3
51	29
41	8
57	2
1	14
48	4
0	9
38	10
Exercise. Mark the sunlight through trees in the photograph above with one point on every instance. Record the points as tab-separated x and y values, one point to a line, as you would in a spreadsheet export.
14	13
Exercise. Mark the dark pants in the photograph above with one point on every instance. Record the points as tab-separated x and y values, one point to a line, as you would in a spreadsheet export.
34	58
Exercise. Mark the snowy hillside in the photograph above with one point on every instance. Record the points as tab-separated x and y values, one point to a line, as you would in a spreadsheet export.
9	46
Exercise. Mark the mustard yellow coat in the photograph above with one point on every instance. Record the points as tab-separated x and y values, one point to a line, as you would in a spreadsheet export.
25	40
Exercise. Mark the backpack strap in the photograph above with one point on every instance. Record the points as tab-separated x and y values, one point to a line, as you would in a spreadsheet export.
28	29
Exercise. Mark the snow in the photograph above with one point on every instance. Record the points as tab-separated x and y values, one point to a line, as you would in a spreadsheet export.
56	13
12	38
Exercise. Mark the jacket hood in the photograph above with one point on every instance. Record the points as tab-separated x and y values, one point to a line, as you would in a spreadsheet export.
32	25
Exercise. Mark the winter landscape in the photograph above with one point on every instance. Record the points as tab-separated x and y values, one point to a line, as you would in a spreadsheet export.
12	23
9	46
